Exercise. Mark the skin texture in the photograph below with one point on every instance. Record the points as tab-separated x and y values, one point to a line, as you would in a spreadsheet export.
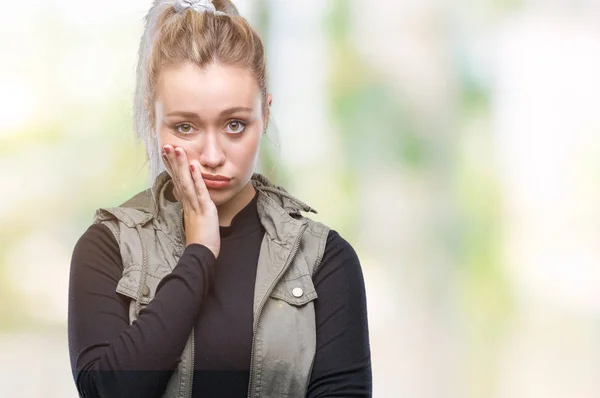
215	115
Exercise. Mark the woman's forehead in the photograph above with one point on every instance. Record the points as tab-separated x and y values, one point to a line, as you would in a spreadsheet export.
213	86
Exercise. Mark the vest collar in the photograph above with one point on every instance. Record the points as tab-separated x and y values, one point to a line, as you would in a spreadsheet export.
275	205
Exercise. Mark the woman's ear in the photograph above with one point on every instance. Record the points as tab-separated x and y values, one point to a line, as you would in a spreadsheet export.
268	101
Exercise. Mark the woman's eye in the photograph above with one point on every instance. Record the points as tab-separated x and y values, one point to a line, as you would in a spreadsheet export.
236	126
184	128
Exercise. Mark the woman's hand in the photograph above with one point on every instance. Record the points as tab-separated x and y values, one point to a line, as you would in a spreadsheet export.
201	219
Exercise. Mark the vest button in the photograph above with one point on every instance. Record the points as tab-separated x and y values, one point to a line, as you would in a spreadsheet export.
297	292
146	291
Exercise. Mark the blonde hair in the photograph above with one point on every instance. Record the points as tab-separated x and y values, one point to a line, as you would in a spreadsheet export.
171	38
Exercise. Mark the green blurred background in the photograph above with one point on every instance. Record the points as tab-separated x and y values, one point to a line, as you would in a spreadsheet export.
454	144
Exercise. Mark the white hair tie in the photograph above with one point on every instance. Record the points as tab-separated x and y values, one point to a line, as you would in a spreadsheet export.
197	5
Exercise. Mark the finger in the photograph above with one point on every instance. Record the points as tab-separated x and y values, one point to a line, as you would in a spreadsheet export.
201	190
165	159
171	164
169	156
169	168
186	182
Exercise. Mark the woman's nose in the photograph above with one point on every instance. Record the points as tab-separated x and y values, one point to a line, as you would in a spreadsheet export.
211	151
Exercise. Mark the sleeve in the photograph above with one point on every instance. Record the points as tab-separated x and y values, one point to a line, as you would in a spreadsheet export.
110	357
342	366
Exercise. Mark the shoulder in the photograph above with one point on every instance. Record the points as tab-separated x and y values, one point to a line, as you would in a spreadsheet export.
97	245
97	234
340	260
338	248
138	209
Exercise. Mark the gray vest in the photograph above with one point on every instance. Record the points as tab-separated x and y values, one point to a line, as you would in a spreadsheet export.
149	229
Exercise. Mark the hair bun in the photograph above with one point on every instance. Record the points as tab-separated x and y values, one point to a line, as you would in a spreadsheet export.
226	6
196	5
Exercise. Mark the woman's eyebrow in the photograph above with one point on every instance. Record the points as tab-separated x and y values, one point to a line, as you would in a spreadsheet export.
236	109
190	115
193	115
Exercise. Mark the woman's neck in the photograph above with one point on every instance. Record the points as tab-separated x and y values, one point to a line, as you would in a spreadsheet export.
229	209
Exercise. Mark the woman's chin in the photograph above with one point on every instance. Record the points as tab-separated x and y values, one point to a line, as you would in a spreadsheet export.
219	196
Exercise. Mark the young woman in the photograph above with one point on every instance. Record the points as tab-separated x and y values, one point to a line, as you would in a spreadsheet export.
212	283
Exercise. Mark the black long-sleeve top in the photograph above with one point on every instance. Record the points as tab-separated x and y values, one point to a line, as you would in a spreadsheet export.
111	358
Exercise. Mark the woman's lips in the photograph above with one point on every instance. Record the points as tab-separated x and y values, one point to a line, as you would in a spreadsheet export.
215	177
215	184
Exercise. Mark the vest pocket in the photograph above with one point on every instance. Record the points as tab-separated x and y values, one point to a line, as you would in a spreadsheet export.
297	291
129	284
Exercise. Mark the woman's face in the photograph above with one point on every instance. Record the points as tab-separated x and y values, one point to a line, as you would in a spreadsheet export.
215	115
